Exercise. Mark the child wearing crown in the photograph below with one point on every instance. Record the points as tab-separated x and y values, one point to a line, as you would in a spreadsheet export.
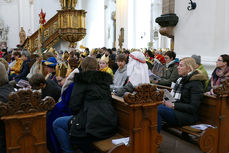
103	65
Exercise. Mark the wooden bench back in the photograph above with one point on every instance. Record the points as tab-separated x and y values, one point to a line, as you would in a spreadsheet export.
137	118
24	116
214	108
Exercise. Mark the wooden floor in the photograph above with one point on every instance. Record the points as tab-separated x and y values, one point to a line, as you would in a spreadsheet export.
174	144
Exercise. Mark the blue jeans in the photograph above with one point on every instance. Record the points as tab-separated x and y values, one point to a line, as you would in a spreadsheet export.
60	128
166	114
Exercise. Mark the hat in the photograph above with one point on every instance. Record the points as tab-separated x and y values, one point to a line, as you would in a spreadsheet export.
160	58
105	58
197	58
50	62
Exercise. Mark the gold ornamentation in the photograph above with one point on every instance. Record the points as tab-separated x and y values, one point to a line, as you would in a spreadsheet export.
68	24
68	4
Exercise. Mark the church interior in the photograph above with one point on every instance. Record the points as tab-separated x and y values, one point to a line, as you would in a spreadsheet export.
61	34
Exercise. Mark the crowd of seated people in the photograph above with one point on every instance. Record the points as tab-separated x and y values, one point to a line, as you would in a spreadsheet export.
84	80
5	90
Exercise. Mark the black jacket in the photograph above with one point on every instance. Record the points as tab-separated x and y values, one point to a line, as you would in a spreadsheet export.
5	90
187	108
51	89
91	105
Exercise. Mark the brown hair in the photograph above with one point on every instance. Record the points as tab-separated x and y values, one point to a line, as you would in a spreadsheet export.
225	58
89	64
3	74
121	57
17	53
36	80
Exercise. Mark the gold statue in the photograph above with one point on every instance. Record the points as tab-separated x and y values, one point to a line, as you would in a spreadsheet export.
22	36
68	4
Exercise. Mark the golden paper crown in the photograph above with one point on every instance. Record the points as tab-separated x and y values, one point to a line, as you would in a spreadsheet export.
85	53
93	51
82	47
105	58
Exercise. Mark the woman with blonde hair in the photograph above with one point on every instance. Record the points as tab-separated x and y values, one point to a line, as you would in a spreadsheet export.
187	95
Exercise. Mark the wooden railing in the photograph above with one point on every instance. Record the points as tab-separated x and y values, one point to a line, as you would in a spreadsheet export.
68	25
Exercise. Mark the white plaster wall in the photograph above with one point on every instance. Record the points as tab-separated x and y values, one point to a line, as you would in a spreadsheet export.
203	31
142	21
134	16
50	7
156	12
11	20
122	11
94	23
109	33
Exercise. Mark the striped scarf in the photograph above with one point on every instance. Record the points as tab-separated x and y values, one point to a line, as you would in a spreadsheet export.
176	91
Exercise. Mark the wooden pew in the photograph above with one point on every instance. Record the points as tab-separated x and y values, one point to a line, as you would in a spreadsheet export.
24	116
137	119
214	110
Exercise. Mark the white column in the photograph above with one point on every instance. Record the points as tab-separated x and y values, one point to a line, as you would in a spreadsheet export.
32	23
109	8
94	23
134	16
124	15
156	12
143	18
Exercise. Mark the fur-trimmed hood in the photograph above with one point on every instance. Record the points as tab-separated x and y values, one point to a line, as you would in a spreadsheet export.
197	75
93	77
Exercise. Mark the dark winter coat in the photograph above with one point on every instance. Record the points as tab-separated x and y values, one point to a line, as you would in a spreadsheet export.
91	105
5	90
187	108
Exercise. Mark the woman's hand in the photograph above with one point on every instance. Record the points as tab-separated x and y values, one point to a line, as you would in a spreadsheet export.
168	104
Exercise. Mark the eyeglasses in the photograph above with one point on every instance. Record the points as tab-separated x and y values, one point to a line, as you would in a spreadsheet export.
219	60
